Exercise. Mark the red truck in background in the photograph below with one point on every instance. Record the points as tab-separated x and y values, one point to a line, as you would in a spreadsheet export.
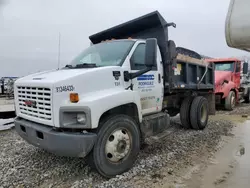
232	82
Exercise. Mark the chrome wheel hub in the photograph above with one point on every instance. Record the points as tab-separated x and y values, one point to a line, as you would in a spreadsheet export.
203	113
233	101
118	145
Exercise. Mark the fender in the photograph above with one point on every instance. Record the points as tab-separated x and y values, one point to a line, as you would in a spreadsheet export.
226	88
101	101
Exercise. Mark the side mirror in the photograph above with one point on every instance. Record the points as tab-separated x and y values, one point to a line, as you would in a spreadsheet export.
245	68
172	49
150	52
150	59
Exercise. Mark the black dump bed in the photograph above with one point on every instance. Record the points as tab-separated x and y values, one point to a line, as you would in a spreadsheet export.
181	75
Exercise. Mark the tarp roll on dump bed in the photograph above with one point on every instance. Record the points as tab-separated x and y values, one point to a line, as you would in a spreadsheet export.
151	25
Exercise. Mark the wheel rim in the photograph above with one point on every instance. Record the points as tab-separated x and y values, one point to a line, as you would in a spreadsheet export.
203	113
233	101
118	145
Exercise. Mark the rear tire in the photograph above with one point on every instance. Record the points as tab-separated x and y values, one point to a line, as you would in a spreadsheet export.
230	101
185	112
199	113
247	98
116	147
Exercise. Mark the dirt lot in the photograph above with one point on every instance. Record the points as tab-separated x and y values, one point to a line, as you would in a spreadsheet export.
168	160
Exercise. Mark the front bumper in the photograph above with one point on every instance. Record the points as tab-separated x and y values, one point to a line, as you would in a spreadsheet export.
69	144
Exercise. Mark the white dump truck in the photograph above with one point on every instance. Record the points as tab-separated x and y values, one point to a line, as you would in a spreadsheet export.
114	94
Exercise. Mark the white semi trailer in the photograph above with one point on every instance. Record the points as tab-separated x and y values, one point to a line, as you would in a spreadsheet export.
237	27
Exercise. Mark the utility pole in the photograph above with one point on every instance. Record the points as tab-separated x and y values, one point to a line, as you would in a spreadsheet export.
59	51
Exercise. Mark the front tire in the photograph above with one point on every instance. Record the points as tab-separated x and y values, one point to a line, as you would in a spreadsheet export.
230	101
116	147
199	113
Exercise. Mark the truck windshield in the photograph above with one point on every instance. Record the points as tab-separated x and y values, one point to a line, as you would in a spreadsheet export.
103	54
224	66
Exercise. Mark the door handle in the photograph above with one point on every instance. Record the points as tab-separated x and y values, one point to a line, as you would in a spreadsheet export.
159	78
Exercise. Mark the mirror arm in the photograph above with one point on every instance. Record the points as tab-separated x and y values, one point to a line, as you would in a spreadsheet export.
225	81
139	73
171	24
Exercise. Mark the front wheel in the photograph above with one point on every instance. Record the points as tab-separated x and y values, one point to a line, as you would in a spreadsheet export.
117	146
230	101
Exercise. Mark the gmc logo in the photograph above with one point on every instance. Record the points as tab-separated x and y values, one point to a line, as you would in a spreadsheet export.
30	103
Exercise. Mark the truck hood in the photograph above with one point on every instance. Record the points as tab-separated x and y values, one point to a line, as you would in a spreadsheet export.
53	76
83	81
222	75
52	88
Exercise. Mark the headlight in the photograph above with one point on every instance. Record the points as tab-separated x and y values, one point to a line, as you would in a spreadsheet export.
81	118
75	117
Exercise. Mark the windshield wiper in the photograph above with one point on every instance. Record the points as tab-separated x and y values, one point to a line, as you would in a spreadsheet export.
83	65
86	65
68	66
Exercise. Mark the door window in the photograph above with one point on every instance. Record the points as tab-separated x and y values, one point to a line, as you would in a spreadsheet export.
237	67
137	60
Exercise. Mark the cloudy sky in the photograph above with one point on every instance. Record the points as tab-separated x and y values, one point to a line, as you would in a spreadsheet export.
29	29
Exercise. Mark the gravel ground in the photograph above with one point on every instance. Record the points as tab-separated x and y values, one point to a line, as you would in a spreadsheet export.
23	165
241	109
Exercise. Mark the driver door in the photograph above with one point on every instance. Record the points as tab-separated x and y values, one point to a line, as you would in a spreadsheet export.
150	84
237	74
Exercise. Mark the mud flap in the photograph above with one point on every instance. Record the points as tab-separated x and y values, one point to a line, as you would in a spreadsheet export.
211	102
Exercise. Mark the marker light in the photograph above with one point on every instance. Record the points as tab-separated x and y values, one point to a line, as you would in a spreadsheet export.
74	98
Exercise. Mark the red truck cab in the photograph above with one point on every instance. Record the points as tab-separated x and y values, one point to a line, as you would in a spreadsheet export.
227	81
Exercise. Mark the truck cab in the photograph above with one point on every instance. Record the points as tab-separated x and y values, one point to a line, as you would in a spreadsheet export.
103	66
229	87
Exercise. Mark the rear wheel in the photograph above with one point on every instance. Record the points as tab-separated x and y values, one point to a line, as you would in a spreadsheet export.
247	98
117	146
199	113
185	112
230	101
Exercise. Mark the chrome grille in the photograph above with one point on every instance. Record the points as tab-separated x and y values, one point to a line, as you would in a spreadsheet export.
41	102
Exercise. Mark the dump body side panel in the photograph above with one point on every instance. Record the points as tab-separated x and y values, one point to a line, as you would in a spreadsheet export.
193	76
